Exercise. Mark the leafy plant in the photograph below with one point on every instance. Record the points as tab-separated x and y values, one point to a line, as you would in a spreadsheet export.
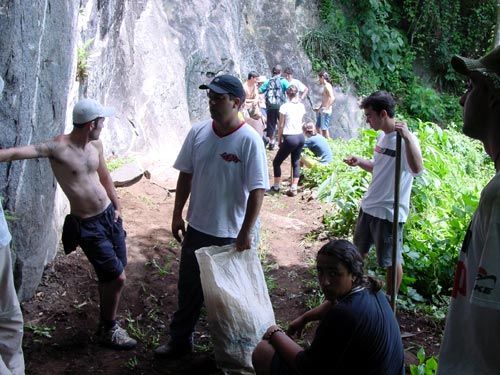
142	332
132	363
426	366
162	268
40	330
82	60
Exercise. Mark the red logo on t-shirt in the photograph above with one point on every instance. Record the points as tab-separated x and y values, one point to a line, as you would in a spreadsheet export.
460	283
230	157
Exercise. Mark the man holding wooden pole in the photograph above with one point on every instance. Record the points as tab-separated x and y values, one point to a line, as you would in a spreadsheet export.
375	220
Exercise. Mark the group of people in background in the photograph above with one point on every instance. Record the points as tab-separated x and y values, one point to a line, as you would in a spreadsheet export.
275	108
357	332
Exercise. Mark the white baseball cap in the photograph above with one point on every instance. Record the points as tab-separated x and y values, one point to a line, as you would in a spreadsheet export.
89	109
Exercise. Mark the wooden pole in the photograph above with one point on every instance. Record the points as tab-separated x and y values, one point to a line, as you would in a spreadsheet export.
395	222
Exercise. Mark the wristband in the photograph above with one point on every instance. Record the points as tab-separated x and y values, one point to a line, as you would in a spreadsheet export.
270	334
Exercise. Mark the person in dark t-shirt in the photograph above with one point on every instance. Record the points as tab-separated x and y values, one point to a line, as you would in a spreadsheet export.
357	333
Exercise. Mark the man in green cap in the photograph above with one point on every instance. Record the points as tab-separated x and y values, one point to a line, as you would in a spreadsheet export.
472	333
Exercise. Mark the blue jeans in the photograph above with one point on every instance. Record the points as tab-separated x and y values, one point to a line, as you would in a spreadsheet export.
190	292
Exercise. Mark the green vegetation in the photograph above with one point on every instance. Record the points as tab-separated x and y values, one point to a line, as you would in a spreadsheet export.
405	47
116	162
82	67
443	200
161	267
382	44
40	330
426	366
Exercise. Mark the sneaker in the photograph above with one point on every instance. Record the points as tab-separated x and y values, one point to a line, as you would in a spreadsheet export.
272	191
116	338
172	351
291	192
270	146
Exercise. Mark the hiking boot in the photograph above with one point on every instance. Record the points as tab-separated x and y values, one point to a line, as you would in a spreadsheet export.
272	191
173	351
291	192
116	338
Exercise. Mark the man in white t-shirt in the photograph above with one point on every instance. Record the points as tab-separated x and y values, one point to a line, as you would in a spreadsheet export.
223	170
374	226
11	317
303	89
472	333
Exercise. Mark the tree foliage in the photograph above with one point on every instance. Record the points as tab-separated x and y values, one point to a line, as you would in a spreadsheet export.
403	47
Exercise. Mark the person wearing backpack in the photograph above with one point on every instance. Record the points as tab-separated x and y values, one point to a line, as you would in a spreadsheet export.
274	91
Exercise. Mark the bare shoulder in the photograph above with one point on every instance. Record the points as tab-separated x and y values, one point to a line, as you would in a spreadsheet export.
97	144
50	147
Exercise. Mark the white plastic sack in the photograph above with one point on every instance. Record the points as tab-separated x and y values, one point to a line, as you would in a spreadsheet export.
238	306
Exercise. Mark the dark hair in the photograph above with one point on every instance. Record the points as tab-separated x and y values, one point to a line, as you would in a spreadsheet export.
292	91
349	255
380	100
253	74
288	70
325	75
276	69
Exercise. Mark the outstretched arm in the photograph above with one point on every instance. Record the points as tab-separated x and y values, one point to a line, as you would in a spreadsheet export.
107	181
356	161
182	192
42	150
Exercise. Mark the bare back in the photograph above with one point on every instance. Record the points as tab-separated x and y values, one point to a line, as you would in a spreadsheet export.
77	170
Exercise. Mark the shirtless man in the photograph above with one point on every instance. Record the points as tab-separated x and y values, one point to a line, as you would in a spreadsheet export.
324	111
94	223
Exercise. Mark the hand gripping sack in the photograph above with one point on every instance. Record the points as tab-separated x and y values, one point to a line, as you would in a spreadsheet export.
238	306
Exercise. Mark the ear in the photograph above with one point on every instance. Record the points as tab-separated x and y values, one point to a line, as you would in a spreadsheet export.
237	103
383	113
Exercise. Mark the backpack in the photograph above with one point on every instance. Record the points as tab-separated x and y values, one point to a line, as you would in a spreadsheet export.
274	94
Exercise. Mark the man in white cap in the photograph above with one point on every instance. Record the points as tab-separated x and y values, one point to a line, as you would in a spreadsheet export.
11	318
472	333
223	170
94	223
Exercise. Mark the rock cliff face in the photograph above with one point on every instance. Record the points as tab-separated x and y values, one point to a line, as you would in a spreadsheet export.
149	57
36	61
144	57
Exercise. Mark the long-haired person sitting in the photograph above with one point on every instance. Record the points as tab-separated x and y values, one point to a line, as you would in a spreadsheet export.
357	333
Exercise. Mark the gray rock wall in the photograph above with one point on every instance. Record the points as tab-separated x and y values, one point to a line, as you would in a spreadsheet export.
149	57
146	58
36	61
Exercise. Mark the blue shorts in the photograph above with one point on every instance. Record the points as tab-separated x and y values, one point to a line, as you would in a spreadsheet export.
103	242
371	230
323	120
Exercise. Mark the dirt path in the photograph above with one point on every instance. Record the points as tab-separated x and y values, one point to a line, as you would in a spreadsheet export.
63	314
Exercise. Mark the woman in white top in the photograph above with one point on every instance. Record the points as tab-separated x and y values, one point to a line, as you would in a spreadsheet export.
290	139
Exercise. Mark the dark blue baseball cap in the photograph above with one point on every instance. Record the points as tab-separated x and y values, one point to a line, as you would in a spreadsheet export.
226	84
